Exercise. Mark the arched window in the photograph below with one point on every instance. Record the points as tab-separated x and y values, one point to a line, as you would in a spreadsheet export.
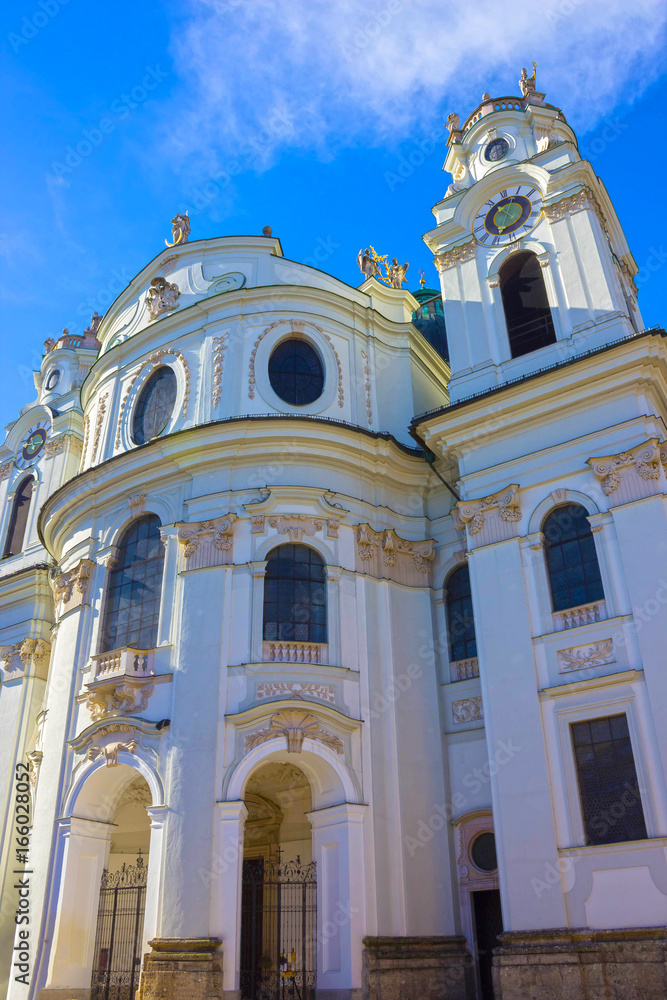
155	405
460	619
296	373
19	518
295	598
527	313
572	562
132	605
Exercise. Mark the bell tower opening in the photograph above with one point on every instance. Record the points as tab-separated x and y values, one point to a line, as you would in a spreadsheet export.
525	304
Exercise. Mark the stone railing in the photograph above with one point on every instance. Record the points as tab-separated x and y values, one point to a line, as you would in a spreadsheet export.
125	662
294	652
463	670
585	614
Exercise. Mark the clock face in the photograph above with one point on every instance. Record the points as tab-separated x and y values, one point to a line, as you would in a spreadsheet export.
33	445
508	216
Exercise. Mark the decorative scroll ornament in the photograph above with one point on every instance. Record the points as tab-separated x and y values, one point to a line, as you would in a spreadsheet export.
110	753
220	345
367	386
71	589
457	255
162	297
370	264
18	657
127	876
295	726
137	503
467	709
471	513
180	230
578	657
645	459
219	533
296	525
294	689
101	409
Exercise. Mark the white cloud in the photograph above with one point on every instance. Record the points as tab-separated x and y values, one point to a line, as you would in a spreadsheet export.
259	75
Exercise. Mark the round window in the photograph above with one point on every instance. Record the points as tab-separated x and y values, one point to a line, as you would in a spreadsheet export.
52	379
296	373
154	406
496	149
483	852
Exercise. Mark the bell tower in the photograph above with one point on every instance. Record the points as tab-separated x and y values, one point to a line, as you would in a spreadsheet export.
534	266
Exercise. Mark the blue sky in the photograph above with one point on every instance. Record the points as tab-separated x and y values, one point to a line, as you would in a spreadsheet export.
321	118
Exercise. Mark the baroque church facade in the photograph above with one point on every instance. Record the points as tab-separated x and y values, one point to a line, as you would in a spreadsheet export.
332	643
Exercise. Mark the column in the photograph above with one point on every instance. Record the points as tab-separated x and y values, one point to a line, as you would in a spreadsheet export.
517	768
226	872
86	850
339	853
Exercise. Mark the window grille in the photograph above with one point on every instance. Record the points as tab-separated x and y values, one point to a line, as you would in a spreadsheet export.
155	405
295	602
133	593
460	618
572	562
296	373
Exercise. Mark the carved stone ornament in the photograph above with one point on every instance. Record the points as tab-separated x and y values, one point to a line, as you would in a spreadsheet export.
384	555
471	514
294	689
180	230
122	698
467	709
220	345
578	657
295	726
56	446
584	199
296	525
19	657
645	460
367	386
137	503
71	589
162	297
99	420
207	543
6	470
257	524
457	255
111	751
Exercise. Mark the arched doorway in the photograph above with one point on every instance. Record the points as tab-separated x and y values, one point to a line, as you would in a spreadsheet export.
279	887
122	898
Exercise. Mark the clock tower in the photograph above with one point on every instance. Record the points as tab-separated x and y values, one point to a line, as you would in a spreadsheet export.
534	265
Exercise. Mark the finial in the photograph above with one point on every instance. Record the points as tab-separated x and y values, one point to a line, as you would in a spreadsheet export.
422	280
267	231
180	230
486	97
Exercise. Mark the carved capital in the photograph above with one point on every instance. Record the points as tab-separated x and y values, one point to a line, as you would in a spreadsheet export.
645	460
584	199
71	589
207	543
471	513
385	555
24	657
295	726
457	255
6	470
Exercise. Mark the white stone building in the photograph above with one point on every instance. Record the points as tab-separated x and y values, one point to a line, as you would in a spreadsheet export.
323	665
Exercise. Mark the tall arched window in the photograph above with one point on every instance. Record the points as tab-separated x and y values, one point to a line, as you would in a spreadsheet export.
572	562
155	405
19	518
460	619
295	595
527	313
132	605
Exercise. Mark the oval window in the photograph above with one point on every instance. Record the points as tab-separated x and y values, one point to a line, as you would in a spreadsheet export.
296	373
496	149
154	406
483	852
52	380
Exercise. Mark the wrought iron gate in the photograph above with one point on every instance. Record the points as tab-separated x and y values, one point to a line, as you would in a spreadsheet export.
120	925
278	930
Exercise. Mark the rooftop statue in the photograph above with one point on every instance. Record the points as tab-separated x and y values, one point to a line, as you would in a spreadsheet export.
180	230
527	83
397	273
367	263
453	121
371	265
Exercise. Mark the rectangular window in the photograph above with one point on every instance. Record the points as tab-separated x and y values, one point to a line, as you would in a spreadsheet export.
608	787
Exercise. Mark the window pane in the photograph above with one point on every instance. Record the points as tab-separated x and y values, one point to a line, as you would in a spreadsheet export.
460	620
294	595
132	605
608	787
296	373
572	565
155	405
